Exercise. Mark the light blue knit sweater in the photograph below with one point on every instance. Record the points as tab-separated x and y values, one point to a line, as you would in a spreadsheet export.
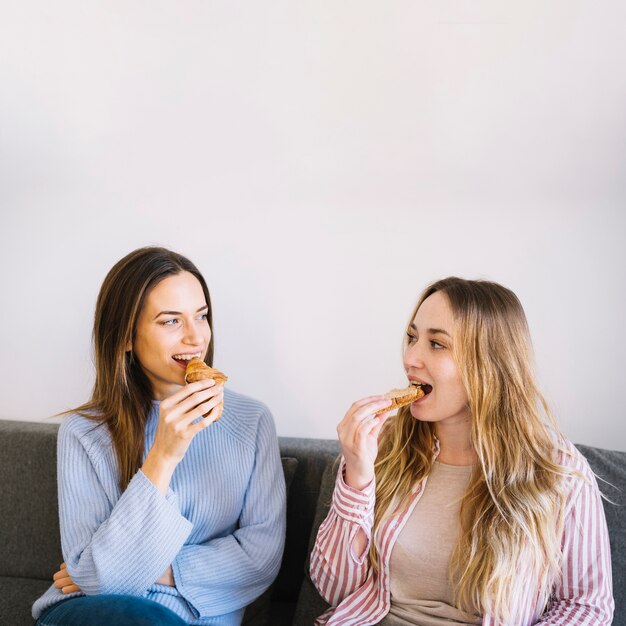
221	524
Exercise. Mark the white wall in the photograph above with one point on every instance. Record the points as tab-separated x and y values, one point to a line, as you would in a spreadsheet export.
320	161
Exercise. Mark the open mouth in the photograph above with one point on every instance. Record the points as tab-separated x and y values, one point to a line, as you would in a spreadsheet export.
183	359
426	388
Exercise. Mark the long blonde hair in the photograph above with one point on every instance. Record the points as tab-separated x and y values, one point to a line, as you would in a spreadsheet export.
122	394
512	511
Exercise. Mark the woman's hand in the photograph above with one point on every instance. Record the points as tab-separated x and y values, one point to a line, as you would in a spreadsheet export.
177	414
178	426
358	437
167	578
63	581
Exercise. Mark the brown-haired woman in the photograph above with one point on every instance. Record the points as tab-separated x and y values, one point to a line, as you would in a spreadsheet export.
167	517
471	507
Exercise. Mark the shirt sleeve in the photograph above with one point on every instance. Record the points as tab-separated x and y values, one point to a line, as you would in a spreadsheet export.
336	569
113	547
227	573
584	592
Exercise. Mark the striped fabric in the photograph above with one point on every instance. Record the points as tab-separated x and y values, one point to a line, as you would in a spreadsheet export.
221	525
358	597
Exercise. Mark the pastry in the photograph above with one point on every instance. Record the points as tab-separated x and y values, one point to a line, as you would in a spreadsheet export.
402	397
197	370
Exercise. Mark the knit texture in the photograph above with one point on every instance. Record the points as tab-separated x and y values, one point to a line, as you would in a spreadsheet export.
221	525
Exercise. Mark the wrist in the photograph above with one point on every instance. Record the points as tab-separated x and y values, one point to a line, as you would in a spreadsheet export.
159	468
157	457
357	480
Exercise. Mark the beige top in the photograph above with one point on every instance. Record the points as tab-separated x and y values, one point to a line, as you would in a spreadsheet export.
421	592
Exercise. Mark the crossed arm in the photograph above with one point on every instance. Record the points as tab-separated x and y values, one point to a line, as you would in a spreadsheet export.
126	544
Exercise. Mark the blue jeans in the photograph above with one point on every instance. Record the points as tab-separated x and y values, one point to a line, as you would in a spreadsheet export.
107	610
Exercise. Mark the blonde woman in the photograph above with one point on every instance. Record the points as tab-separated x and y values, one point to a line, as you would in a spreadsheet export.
469	506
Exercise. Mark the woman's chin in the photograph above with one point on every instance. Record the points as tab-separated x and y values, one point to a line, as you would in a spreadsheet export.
418	413
415	411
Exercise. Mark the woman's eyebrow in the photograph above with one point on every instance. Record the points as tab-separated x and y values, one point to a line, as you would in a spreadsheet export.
432	331
438	331
202	308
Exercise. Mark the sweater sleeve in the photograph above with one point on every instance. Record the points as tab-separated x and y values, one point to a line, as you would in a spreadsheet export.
227	573
584	593
113	547
336	570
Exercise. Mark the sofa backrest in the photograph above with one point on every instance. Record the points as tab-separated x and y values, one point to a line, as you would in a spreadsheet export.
29	527
610	468
313	456
29	522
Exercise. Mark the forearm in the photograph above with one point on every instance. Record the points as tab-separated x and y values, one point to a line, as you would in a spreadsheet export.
159	470
131	548
339	560
228	573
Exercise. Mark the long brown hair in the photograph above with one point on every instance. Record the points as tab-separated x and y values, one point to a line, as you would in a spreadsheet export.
512	511
122	393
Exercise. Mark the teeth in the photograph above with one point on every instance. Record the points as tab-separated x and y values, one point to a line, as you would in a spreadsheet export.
185	357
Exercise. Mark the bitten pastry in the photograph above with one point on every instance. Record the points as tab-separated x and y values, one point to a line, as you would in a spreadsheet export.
197	370
402	397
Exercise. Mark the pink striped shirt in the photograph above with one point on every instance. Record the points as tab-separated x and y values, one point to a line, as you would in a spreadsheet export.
582	596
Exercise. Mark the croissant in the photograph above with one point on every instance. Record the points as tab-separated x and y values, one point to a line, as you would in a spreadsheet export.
402	397
197	370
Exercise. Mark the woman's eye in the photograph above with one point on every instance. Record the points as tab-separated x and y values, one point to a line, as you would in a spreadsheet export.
410	338
204	317
436	345
171	322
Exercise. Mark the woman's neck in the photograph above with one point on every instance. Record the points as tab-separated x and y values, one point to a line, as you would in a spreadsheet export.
455	443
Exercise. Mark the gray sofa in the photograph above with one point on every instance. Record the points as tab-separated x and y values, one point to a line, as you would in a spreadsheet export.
29	530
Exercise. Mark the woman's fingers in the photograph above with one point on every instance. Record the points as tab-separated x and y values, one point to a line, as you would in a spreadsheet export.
193	400
179	423
205	410
62	573
63	581
201	410
361	408
364	430
358	436
186	411
370	409
185	392
59	583
353	421
205	421
376	424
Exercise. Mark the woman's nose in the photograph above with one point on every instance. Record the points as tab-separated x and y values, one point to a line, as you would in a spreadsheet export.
413	356
192	334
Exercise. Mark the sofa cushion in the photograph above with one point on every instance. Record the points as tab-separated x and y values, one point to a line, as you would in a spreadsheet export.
258	612
313	456
310	603
610	468
29	524
18	595
30	552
